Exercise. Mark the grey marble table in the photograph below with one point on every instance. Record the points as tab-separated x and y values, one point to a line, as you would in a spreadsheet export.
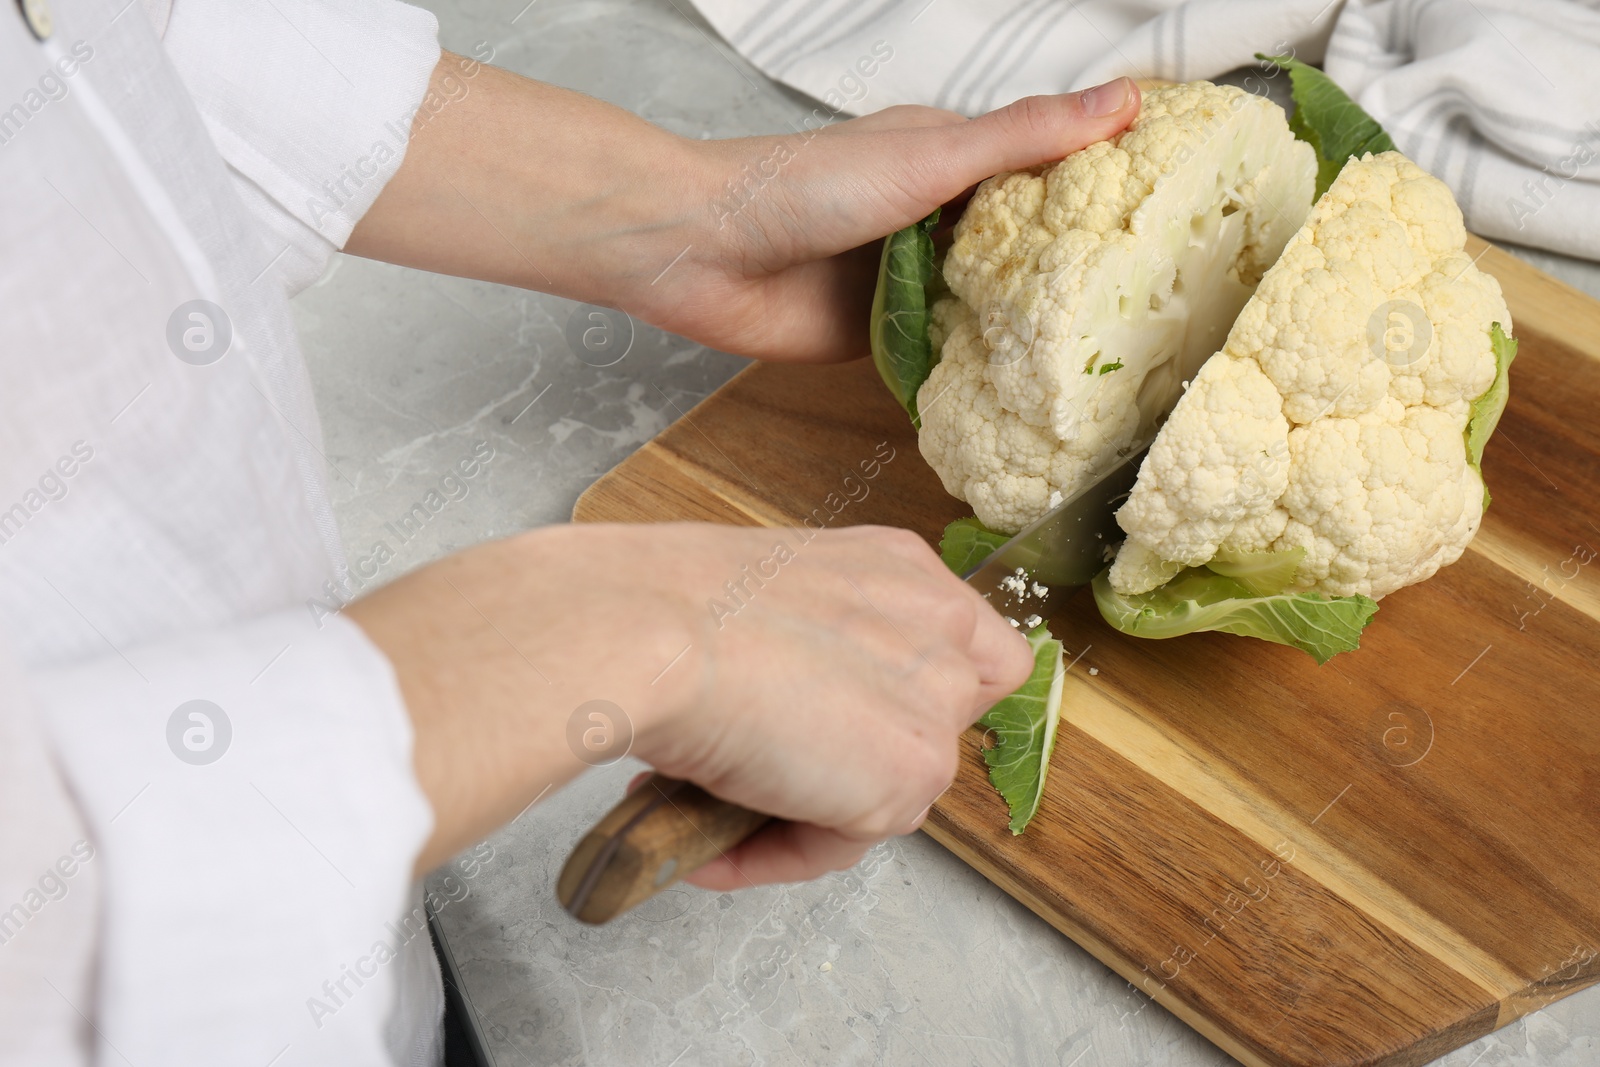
914	958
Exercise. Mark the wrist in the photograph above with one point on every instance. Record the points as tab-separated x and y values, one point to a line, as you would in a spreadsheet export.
635	642
661	226
497	650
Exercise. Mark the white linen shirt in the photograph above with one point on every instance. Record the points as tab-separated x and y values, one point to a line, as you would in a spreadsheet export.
190	883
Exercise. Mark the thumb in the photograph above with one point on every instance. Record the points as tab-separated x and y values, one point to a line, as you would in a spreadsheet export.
1034	130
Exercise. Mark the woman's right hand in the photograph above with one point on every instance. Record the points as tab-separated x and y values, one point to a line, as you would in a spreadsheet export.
823	681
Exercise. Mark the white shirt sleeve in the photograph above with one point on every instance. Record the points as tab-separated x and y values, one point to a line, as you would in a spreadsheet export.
310	102
166	519
49	893
254	813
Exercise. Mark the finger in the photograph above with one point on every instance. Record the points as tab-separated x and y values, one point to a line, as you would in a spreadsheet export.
1113	95
780	852
910	547
1033	130
903	117
997	651
1001	654
818	311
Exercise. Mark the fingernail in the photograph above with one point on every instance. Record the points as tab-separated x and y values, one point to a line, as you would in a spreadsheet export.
1105	99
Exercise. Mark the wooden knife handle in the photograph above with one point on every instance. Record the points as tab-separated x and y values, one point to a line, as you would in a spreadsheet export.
658	833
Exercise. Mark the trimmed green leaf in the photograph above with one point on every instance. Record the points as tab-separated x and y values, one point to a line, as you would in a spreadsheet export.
901	349
1328	120
1262	573
1199	599
1109	367
1023	729
967	543
1486	410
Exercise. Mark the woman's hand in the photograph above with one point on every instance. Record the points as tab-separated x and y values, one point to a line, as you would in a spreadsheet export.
762	246
787	269
833	696
830	689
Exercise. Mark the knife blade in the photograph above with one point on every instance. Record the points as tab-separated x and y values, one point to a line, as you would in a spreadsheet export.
1068	546
667	828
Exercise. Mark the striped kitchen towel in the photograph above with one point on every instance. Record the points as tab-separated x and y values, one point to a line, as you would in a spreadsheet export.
1500	98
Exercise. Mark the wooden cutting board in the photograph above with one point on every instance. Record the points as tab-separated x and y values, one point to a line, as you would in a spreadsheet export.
1370	862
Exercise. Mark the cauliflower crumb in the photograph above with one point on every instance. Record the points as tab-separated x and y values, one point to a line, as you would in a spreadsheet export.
1032	621
1094	671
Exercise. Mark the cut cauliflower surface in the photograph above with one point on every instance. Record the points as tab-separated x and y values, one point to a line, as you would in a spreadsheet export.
1086	292
1333	419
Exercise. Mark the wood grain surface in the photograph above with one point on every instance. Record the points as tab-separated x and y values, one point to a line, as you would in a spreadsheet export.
1371	862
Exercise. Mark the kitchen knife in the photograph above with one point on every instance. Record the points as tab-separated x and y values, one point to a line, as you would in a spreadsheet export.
1067	547
667	828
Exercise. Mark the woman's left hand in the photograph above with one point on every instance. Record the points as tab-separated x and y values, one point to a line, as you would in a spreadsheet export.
762	246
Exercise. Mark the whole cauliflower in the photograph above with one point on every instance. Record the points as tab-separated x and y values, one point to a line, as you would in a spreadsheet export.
1086	292
1333	424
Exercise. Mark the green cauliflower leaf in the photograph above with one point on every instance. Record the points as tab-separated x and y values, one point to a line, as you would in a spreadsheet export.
1022	728
1328	120
1200	599
967	543
1486	410
907	279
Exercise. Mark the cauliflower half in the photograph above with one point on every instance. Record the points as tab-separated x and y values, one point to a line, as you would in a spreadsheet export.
1087	292
1332	423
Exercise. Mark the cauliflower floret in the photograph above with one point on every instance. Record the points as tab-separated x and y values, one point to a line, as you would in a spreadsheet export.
1333	419
1005	462
1221	458
1096	286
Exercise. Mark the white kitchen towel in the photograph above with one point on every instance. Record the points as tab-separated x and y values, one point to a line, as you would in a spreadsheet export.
1500	98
